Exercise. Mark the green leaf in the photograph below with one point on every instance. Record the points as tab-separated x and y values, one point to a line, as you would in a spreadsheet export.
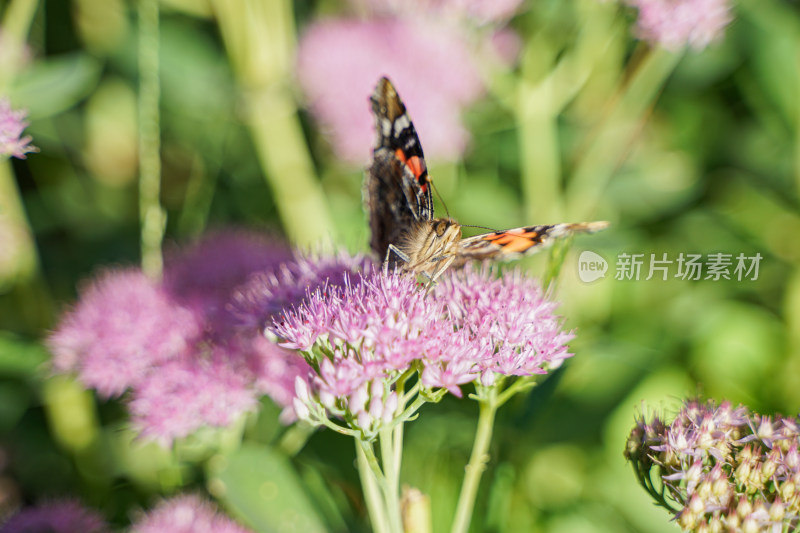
52	86
260	485
19	357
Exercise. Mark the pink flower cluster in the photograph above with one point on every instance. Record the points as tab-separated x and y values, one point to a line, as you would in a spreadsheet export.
427	48
181	514
362	337
197	349
186	514
721	468
12	143
172	344
677	23
57	516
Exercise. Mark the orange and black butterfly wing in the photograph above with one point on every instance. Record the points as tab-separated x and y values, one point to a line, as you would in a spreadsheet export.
397	188
512	243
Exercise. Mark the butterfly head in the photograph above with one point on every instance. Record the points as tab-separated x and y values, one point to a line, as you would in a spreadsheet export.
431	246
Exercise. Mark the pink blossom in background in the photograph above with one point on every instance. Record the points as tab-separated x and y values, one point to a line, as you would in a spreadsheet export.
339	61
202	275
58	516
12	144
717	467
123	326
276	371
190	393
178	347
677	23
255	303
186	514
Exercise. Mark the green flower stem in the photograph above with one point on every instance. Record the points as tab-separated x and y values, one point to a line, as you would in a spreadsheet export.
477	462
520	384
153	217
260	40
391	468
295	438
30	296
23	262
372	493
17	21
536	117
618	131
546	86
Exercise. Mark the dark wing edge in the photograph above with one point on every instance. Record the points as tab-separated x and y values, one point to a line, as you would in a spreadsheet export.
513	243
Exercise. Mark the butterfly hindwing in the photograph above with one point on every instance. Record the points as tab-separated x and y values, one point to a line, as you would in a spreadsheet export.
512	243
392	210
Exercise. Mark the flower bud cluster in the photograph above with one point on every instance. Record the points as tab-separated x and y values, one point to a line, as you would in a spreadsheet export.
720	468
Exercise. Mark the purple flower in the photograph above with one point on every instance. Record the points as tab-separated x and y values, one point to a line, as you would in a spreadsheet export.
721	468
276	370
60	516
11	126
677	23
179	345
361	337
193	392
122	328
254	304
186	514
202	276
509	321
339	61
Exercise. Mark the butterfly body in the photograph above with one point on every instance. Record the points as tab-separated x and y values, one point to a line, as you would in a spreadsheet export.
429	247
400	204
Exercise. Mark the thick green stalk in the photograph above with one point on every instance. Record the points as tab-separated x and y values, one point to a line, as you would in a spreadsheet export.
20	267
372	492
618	132
259	37
153	218
17	21
477	463
391	468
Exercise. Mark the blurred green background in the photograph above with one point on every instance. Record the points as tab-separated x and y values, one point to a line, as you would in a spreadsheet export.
705	159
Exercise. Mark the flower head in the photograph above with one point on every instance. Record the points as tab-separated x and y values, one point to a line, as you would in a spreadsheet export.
265	295
123	327
193	392
12	144
186	514
189	359
202	276
677	23
59	516
362	337
508	318
723	468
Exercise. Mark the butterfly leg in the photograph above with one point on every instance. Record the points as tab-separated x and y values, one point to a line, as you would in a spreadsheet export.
398	252
442	263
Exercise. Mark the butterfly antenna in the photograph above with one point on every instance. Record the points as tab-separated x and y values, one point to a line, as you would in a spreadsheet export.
439	196
479	227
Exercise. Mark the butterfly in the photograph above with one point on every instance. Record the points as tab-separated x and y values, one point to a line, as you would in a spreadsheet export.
398	197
